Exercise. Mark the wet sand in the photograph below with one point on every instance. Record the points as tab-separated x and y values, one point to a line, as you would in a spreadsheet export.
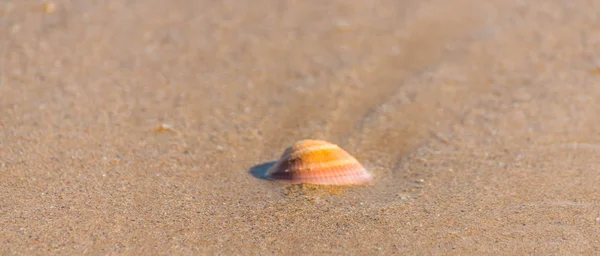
479	121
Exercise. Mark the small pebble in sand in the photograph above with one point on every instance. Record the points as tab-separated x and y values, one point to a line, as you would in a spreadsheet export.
164	128
49	7
318	162
403	196
342	25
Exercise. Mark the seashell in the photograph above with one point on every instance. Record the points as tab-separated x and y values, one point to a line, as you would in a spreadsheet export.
318	162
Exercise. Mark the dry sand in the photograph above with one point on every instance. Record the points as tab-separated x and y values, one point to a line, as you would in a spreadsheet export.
479	120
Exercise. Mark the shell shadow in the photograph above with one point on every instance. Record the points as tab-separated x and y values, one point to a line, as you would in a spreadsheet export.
260	171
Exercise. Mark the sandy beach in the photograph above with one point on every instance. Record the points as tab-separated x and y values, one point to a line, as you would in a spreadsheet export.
136	127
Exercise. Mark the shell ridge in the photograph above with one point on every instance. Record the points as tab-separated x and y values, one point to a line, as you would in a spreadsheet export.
319	162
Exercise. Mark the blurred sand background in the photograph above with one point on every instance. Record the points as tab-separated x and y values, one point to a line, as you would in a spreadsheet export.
479	119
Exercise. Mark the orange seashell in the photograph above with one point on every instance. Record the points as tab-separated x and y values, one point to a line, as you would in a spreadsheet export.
318	162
